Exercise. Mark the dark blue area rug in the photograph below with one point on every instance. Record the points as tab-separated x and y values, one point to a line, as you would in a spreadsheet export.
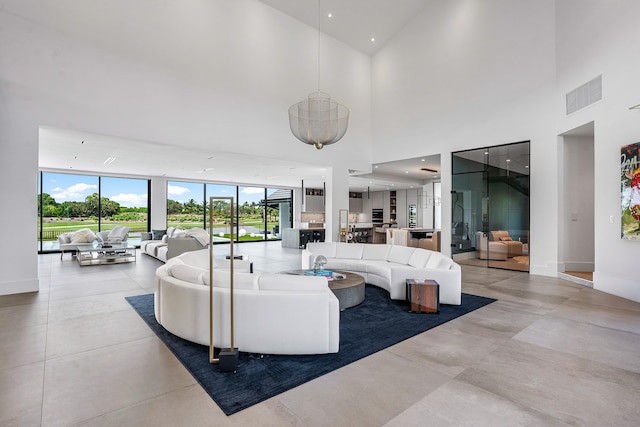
377	323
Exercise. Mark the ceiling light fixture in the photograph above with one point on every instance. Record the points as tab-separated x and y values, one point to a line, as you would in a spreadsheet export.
318	120
109	160
428	170
635	107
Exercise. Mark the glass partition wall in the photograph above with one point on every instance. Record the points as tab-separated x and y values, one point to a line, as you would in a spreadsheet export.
490	206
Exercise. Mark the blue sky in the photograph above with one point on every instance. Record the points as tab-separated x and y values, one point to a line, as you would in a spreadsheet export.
133	192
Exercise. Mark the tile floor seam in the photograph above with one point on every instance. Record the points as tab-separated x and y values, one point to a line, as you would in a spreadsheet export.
585	322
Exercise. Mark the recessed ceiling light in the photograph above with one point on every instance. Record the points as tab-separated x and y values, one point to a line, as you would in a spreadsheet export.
406	171
526	166
373	39
508	160
376	166
329	15
423	160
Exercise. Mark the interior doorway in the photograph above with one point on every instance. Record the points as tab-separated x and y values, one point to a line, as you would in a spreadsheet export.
576	205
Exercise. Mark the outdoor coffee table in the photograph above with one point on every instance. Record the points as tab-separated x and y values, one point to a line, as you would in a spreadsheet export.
105	254
347	287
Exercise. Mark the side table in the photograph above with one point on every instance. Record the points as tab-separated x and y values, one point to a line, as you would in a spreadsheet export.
423	296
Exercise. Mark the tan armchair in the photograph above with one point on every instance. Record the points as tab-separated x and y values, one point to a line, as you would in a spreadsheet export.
497	245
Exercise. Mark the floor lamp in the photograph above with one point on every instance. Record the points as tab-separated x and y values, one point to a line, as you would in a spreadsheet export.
227	359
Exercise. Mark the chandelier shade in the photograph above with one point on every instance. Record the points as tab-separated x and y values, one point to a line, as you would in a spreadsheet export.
318	120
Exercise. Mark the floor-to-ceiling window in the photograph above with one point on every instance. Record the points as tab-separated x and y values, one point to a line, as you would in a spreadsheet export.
490	206
259	213
69	202
185	204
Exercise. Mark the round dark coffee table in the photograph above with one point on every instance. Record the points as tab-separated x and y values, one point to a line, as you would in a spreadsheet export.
349	290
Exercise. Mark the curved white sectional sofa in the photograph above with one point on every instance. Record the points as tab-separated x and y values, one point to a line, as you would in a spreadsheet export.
388	266
273	313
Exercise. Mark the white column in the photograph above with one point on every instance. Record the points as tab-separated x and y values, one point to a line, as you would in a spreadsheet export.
18	186
336	198
158	203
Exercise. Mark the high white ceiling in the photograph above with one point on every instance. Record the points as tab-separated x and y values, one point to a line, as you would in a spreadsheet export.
353	22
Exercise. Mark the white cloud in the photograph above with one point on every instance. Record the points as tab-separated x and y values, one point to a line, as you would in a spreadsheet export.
253	190
175	190
77	192
131	200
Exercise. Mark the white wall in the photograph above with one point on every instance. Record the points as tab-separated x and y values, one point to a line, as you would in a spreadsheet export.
217	74
601	38
467	74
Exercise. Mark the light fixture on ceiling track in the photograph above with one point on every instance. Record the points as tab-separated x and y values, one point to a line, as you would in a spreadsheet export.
635	107
318	120
429	170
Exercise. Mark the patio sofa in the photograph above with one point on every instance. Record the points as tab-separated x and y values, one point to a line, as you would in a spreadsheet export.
388	266
164	245
273	313
68	242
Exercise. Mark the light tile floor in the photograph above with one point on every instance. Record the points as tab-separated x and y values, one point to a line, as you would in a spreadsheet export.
549	352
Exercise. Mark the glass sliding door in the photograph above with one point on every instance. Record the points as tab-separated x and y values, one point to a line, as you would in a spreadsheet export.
490	206
252	214
279	206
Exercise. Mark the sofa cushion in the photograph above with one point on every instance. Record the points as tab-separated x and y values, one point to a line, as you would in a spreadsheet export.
379	268
328	249
497	235
435	260
170	231
84	235
400	254
65	238
345	264
419	258
291	282
350	251
188	273
375	252
221	279
179	232
198	258
445	263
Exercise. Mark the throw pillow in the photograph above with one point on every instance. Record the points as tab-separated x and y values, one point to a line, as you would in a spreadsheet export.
117	234
506	239
157	234
84	235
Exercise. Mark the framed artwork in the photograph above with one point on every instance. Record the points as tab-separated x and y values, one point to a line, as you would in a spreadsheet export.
630	180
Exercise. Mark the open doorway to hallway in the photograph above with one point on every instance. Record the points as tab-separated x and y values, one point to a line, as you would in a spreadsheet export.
576	231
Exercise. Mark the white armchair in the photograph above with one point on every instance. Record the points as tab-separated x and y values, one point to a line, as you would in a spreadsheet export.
117	234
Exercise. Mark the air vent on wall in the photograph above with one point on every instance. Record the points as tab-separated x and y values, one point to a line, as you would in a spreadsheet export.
586	94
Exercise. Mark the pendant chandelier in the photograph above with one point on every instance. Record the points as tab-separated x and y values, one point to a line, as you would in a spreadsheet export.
318	120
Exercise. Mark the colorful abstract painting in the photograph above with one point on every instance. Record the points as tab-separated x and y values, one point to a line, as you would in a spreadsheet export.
630	178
